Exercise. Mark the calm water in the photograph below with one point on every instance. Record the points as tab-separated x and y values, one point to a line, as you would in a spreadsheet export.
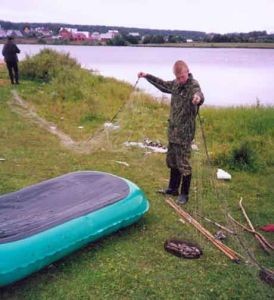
227	76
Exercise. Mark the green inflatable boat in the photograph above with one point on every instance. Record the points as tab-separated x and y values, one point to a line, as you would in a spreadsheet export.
44	222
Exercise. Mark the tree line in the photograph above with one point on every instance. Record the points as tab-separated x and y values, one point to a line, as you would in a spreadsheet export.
150	36
55	27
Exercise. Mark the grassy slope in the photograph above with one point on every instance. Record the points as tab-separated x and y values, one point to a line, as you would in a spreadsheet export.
132	264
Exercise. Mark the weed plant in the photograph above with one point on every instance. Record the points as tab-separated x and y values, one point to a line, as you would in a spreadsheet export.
240	138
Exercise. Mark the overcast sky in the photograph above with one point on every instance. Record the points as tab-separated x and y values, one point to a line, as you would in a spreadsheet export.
221	16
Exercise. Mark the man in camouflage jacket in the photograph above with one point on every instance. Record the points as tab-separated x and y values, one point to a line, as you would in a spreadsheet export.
186	97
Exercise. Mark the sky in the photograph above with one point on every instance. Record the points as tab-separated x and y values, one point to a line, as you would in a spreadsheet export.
219	16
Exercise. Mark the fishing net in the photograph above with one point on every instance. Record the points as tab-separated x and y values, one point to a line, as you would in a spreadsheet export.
183	249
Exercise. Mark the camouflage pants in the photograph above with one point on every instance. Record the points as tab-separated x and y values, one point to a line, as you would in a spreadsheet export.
178	157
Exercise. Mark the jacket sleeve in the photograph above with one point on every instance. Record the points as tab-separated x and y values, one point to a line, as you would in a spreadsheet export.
17	50
197	90
163	86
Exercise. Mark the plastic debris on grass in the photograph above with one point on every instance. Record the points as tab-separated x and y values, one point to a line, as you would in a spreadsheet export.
268	228
194	147
148	144
111	126
221	174
121	163
155	146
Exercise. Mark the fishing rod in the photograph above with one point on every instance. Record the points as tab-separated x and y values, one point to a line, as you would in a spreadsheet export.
204	138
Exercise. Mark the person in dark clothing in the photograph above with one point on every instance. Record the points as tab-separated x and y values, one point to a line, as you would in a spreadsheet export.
9	52
186	97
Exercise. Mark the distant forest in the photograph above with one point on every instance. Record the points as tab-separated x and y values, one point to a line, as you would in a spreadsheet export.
147	35
101	29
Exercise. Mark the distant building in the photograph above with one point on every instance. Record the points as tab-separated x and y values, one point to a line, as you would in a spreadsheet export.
69	29
109	35
80	35
65	34
135	34
44	32
105	36
73	34
15	33
189	40
95	36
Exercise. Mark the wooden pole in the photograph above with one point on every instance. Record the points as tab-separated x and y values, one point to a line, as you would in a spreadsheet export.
266	242
231	254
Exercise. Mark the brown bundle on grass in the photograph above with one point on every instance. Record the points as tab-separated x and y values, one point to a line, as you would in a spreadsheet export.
183	249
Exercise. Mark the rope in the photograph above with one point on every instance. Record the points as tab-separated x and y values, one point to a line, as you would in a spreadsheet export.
198	188
204	138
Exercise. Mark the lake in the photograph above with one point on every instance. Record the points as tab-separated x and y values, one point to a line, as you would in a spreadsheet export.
228	77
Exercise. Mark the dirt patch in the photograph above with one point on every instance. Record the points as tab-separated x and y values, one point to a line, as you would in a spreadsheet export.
4	82
24	109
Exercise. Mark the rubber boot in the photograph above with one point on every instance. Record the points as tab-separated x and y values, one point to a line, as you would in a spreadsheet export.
174	183
183	197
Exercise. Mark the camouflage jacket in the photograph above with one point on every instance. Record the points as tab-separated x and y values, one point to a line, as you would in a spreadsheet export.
181	128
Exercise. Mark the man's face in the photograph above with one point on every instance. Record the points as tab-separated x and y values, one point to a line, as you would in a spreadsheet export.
181	76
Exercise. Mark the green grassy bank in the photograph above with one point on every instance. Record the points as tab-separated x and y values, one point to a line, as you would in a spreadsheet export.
132	263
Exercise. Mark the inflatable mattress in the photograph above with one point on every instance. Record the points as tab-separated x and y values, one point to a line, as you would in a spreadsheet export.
44	222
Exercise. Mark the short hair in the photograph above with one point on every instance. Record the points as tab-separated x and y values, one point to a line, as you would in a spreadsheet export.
179	66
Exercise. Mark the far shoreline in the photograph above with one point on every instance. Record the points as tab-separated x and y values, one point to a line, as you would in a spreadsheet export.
45	42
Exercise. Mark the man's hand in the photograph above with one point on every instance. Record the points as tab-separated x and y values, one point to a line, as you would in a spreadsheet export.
142	75
196	99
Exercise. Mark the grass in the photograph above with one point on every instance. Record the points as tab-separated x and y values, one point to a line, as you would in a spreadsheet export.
238	143
132	263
